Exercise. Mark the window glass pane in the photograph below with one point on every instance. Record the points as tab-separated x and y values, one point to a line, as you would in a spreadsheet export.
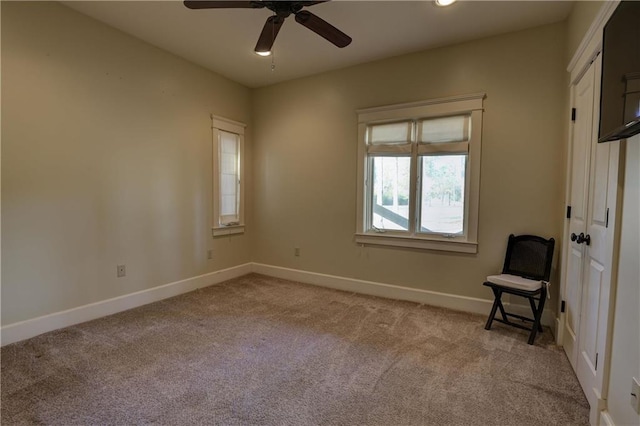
229	143
445	129
443	179
228	164
229	178
390	192
228	205
390	133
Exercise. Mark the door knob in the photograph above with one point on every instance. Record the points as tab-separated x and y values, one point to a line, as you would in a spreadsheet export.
574	237
582	238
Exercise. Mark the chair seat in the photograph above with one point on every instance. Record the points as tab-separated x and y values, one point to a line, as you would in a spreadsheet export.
514	281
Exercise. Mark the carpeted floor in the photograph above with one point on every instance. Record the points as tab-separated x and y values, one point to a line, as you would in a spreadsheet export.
259	350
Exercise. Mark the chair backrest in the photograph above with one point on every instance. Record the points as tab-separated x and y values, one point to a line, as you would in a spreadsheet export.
529	256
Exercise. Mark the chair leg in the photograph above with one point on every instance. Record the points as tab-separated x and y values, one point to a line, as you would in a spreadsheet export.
533	311
501	307
538	315
494	308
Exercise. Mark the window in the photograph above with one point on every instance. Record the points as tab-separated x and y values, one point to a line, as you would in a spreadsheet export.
228	144
419	174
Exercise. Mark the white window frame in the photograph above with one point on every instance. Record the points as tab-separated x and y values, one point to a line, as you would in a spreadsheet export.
219	226
471	105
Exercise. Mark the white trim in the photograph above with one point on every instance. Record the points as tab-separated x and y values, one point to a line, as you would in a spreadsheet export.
227	124
391	291
367	115
589	48
30	328
227	230
606	418
417	243
559	333
592	41
587	52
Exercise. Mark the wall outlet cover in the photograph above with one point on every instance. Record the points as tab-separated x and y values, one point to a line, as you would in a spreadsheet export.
122	271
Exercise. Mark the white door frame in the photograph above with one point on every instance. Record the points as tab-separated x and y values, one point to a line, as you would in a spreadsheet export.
588	50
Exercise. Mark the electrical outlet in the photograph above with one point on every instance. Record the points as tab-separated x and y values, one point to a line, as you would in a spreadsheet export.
635	395
209	254
296	251
122	271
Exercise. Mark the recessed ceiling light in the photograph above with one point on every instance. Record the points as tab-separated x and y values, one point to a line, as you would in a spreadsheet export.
267	53
444	2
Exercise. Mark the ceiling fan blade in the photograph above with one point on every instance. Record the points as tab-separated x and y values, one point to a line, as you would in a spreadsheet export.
231	4
269	33
323	28
311	3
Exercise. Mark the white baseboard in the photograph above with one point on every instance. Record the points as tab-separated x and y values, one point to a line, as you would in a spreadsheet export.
390	291
606	419
26	329
559	329
30	328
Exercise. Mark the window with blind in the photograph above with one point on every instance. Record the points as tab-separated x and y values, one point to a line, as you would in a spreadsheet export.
418	174
228	141
229	164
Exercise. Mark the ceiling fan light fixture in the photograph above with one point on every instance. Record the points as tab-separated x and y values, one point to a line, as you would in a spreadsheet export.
444	2
263	53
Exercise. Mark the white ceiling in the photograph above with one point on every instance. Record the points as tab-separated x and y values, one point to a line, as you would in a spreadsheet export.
222	40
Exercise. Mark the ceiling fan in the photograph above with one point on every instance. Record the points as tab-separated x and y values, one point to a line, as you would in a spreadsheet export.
281	10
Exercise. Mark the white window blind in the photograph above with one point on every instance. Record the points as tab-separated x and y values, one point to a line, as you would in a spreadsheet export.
229	177
444	129
390	133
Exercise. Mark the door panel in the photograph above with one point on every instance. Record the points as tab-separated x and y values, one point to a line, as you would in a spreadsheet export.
588	339
600	178
581	147
588	289
572	315
598	268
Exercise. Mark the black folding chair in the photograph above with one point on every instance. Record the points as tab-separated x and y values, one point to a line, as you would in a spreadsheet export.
526	271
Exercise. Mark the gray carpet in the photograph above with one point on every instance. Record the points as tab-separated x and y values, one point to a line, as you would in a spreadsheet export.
259	350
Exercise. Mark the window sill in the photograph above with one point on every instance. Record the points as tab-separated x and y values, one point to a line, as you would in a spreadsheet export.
227	230
417	243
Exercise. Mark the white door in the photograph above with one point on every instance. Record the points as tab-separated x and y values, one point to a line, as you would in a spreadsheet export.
582	135
590	258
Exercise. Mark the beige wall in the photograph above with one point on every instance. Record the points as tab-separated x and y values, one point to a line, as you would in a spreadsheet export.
582	15
106	159
305	158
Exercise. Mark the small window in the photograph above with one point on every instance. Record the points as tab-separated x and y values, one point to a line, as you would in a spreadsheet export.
229	156
419	174
228	141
